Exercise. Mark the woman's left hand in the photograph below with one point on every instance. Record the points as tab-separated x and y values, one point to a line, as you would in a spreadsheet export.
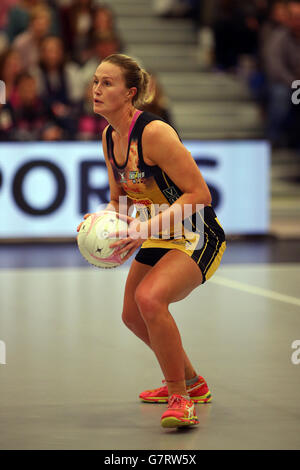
130	239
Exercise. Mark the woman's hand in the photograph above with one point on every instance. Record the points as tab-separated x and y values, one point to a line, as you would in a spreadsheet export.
85	217
130	239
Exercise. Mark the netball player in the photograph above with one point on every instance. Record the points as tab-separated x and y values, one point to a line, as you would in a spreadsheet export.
147	162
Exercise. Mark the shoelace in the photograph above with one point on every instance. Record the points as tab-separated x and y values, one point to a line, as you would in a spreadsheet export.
176	401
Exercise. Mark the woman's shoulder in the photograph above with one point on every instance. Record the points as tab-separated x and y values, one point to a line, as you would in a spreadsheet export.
156	126
157	129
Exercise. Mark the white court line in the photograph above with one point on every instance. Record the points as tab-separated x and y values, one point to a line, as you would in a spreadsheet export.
223	281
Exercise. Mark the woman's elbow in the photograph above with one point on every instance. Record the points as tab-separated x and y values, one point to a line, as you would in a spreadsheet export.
208	200
204	198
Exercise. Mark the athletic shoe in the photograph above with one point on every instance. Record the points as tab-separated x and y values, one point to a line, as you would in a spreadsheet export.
180	412
199	393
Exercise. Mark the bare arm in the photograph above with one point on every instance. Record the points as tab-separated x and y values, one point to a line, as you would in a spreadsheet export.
162	146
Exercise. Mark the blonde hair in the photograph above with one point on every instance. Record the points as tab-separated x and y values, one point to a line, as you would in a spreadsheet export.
134	76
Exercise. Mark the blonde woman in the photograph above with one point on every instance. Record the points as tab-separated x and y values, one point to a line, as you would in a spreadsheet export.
148	164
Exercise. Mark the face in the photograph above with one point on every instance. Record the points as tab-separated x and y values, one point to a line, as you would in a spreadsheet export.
103	20
40	25
109	90
52	52
279	13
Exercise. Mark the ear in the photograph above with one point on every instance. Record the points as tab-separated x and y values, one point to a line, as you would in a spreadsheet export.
132	92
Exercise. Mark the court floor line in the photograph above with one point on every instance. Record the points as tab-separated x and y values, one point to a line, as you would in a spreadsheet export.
242	286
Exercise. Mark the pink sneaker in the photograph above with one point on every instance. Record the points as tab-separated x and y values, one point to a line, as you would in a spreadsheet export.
199	393
180	412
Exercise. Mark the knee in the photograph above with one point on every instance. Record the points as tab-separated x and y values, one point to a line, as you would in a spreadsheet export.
149	302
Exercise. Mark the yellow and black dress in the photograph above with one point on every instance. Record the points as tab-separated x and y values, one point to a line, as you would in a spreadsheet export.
148	186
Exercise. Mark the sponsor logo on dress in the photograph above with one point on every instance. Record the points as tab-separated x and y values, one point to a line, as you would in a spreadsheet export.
122	177
135	176
171	194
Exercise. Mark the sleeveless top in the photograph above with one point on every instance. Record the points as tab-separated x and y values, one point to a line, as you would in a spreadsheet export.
148	185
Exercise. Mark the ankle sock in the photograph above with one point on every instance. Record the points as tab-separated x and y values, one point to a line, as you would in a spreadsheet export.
192	381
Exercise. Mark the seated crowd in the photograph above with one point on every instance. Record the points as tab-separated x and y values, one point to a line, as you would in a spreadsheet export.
49	50
260	40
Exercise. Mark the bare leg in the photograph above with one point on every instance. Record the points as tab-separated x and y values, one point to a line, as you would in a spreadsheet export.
140	330
133	319
173	277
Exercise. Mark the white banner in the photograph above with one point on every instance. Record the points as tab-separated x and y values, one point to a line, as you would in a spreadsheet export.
45	188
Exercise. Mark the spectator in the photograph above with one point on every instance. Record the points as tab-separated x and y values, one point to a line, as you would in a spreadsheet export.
103	20
278	18
282	65
77	20
18	17
225	30
30	114
104	25
10	68
27	43
159	103
103	45
262	8
5	7
248	30
236	31
57	77
58	82
90	125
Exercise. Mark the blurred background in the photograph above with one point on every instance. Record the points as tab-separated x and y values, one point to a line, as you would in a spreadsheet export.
226	74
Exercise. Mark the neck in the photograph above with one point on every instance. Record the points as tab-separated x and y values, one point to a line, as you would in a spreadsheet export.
121	121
